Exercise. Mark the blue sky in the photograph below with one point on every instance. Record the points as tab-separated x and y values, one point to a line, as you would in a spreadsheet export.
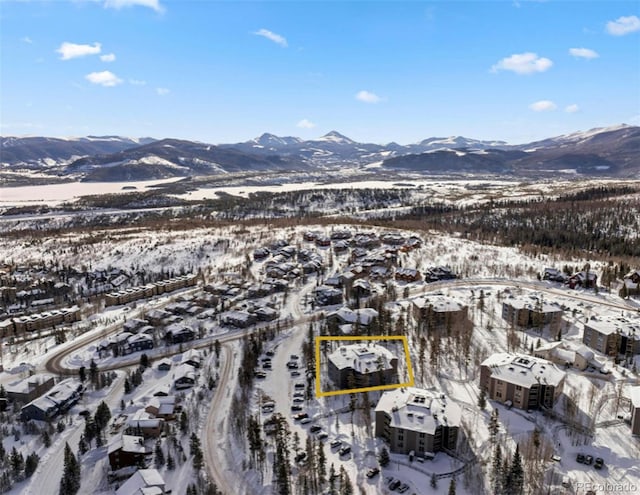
223	71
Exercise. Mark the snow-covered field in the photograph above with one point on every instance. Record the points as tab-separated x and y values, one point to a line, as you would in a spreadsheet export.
226	254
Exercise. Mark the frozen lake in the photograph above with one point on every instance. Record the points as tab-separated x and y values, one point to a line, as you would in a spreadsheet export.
54	194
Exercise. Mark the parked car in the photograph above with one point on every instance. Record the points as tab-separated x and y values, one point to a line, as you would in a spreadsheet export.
305	421
296	407
298	399
298	394
403	488
580	458
270	353
300	416
394	483
315	428
293	356
344	450
295	373
373	472
299	385
322	435
599	463
588	460
335	443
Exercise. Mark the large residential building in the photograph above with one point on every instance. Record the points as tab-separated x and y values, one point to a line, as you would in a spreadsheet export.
530	312
57	400
362	365
525	382
613	336
413	419
440	312
635	410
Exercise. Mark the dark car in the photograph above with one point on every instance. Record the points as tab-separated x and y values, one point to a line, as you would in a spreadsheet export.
315	428
344	450
300	416
372	472
588	460
394	484
599	463
296	408
580	458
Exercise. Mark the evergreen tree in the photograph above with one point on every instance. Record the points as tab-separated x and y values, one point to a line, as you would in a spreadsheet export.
46	438
384	458
16	460
452	487
82	373
184	422
102	416
321	464
482	399
517	474
93	373
159	455
171	463
31	464
144	360
497	470
70	482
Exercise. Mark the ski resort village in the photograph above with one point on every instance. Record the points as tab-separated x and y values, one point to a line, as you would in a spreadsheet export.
329	358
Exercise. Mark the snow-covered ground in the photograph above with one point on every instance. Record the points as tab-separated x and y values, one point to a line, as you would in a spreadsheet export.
225	253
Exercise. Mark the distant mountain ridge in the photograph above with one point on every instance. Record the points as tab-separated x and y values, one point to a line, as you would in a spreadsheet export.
613	151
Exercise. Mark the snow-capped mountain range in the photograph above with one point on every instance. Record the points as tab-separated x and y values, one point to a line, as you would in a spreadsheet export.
613	151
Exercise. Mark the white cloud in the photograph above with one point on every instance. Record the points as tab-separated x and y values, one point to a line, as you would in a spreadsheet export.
162	91
108	57
118	4
305	124
104	78
68	50
137	82
572	108
270	35
367	97
26	39
623	25
523	63
543	106
583	53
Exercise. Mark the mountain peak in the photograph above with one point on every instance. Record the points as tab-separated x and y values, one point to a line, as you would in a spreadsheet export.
336	137
271	140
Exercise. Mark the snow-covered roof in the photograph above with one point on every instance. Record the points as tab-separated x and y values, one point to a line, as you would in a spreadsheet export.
635	396
439	303
521	369
608	326
362	358
363	316
129	443
533	303
140	483
419	410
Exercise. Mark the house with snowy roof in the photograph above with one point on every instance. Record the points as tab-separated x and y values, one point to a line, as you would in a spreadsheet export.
439	312
418	420
143	482
526	382
184	376
532	311
362	365
560	353
28	389
127	450
57	400
138	342
613	336
162	407
141	423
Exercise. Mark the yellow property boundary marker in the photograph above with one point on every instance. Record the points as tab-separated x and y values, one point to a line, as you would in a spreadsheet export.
405	342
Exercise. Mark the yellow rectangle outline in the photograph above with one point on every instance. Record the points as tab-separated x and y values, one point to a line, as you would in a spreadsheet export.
405	342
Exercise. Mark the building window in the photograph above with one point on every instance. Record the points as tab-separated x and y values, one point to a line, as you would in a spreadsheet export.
518	387
499	395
